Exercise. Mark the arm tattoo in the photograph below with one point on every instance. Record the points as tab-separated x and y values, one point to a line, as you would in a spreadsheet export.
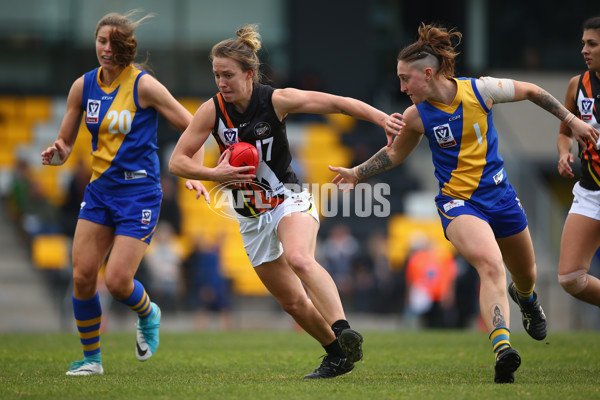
374	165
550	104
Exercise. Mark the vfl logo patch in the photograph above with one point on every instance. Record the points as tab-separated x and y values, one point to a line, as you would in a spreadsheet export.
262	129
146	216
587	109
92	111
230	136
444	137
499	176
453	204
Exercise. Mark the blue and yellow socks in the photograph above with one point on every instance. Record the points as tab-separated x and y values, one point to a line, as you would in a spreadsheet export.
88	316
526	296
139	301
500	338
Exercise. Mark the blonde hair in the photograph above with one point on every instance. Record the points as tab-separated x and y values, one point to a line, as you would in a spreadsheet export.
122	38
243	49
435	47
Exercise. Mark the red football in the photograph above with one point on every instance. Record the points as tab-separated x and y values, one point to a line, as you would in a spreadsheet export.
243	154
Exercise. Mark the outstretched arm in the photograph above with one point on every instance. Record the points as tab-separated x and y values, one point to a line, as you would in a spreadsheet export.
537	95
387	157
292	101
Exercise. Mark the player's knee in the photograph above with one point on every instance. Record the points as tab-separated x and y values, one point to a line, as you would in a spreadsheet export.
574	282
84	280
291	306
299	261
117	286
491	270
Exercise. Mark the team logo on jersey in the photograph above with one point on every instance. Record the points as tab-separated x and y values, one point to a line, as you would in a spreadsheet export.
587	109
444	137
230	136
146	216
262	129
92	111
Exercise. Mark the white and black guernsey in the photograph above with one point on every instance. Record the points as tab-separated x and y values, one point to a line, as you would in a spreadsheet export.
259	126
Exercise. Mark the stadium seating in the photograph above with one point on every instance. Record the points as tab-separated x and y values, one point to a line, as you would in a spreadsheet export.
50	251
31	123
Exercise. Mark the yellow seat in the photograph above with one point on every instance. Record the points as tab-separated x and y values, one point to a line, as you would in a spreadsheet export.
190	103
8	157
17	132
36	108
342	122
322	147
50	251
48	177
9	107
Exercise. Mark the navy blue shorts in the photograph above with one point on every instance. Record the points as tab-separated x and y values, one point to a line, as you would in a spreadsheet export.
506	217
133	215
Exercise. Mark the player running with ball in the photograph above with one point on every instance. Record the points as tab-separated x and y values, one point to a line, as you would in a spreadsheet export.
279	229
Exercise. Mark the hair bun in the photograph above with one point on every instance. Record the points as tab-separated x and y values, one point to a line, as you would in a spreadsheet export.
249	35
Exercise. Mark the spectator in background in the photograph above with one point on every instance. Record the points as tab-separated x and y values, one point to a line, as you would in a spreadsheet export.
169	208
72	205
339	251
466	293
163	261
430	278
39	216
388	284
208	290
20	191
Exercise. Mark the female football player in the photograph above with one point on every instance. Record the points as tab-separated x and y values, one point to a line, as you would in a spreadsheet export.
121	204
479	209
279	224
581	233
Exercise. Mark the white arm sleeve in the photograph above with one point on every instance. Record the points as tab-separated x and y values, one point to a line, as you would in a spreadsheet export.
498	90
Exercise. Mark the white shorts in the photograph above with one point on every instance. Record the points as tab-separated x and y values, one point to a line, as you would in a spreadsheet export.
586	202
260	234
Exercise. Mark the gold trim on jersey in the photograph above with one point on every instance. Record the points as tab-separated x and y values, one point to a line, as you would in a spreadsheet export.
109	143
472	160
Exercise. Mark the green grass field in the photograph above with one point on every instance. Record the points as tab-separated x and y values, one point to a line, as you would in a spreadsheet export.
270	365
